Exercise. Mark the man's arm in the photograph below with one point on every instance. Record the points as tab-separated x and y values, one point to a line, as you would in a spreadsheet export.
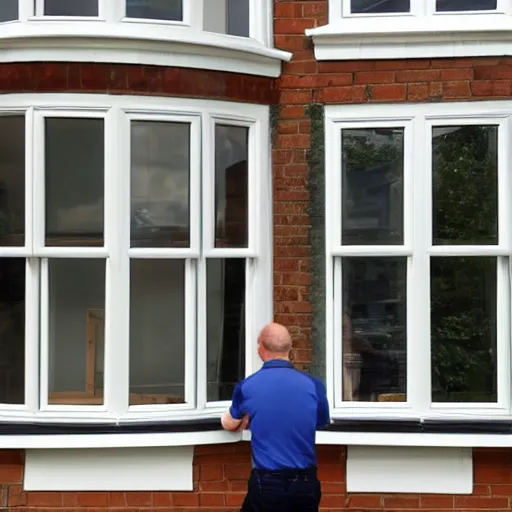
323	418
235	420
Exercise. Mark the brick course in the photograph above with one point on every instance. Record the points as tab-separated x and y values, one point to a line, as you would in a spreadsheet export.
220	474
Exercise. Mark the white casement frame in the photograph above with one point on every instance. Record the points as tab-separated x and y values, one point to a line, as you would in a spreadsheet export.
118	113
114	11
422	8
417	121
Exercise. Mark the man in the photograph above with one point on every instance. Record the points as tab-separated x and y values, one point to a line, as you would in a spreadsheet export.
284	408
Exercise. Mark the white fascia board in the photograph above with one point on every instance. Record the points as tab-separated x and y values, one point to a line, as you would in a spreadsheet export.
409	37
130	43
70	441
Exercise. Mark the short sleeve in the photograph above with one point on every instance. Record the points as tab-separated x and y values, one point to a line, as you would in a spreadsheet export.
237	409
323	416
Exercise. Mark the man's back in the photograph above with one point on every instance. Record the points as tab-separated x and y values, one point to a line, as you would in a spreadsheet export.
285	407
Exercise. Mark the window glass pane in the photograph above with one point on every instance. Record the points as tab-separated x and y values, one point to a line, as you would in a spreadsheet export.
465	184
231	186
466	5
12	330
372	186
225	326
160	175
170	10
227	17
8	10
379	6
374	329
157	332
71	7
74	182
76	331
12	180
238	18
463	329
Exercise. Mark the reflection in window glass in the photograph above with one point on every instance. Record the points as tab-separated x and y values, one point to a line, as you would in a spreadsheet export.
465	184
466	5
12	180
227	17
379	6
8	10
372	186
160	174
231	186
71	7
76	334
463	329
374	329
12	330
169	10
225	326
74	181
157	331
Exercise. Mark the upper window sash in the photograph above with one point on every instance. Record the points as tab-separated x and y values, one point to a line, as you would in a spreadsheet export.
42	247
238	145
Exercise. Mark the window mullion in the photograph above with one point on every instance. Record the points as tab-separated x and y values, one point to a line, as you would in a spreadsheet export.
117	240
112	10
32	298
193	13
25	9
418	281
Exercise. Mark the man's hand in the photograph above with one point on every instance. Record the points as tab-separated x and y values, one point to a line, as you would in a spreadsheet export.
233	425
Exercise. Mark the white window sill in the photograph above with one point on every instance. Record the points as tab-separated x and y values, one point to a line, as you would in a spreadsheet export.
131	43
409	37
62	441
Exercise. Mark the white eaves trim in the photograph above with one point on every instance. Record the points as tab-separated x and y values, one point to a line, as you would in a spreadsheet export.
131	43
414	37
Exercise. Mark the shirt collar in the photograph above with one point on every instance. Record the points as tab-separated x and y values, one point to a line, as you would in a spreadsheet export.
278	363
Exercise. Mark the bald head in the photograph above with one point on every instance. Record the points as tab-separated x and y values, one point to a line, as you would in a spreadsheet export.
275	340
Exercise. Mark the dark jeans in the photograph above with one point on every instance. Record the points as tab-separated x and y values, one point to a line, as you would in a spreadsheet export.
283	491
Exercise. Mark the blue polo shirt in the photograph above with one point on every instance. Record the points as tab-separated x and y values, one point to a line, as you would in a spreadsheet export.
285	408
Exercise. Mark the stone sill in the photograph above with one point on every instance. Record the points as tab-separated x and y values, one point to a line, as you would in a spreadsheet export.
411	37
130	43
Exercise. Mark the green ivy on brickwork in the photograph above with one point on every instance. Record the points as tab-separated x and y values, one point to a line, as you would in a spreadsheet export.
275	112
316	184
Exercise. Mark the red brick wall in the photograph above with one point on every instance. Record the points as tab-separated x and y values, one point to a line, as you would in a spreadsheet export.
220	474
73	77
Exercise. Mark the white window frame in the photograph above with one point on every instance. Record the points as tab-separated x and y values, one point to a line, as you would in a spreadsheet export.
342	8
114	11
118	113
420	33
418	121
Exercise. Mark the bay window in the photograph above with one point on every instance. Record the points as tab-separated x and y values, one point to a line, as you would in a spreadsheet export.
243	18
418	260
133	264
